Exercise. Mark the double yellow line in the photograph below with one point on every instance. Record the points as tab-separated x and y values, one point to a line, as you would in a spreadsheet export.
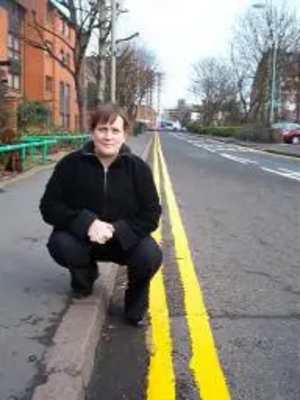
204	364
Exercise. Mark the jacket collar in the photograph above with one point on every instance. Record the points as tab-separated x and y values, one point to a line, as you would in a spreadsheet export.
88	149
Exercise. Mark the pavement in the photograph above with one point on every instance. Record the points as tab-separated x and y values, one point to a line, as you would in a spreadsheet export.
47	340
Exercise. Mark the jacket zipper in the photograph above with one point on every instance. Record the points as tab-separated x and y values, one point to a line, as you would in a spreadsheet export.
105	169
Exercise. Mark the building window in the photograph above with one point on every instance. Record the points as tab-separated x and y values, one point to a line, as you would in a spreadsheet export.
65	29
48	45
68	105
68	59
13	81
13	47
65	57
65	104
48	83
49	17
62	120
62	56
15	17
67	121
62	98
68	98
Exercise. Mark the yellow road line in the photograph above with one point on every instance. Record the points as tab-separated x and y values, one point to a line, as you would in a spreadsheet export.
161	378
204	362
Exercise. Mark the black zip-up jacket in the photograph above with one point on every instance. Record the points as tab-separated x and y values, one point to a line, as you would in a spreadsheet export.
80	190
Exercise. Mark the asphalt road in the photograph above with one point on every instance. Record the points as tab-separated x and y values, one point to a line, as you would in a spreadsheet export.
288	167
241	214
34	291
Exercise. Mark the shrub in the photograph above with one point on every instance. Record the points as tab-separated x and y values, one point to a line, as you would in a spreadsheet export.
221	131
33	114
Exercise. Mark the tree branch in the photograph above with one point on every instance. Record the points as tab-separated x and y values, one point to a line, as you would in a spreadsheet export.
44	47
40	28
128	38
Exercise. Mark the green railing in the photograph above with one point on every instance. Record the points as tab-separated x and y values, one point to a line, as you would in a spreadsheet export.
61	138
31	146
27	145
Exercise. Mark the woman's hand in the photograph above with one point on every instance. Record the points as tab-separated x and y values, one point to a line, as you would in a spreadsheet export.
100	232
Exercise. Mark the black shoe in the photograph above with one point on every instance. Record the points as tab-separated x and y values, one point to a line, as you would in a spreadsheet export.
82	280
137	322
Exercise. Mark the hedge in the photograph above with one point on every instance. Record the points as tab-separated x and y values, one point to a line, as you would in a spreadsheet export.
221	131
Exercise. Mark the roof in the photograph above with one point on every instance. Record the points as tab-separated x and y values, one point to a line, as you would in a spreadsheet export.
60	9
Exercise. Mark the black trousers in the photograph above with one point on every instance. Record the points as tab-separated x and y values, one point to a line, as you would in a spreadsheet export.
142	261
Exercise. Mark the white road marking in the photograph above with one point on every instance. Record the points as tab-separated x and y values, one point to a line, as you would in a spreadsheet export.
219	147
238	159
290	171
291	175
205	147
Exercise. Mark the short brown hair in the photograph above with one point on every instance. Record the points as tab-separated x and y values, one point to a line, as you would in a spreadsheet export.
107	114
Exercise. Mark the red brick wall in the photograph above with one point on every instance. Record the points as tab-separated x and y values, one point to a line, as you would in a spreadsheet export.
39	64
3	33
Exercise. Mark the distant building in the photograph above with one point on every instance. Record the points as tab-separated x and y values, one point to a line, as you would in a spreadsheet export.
183	113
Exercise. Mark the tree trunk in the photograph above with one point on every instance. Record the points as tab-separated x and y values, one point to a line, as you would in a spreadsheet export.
101	65
101	78
81	101
132	110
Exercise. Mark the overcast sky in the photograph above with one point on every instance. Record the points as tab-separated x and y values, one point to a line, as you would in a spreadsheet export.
180	32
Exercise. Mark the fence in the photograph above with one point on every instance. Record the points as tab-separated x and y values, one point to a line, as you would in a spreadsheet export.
36	148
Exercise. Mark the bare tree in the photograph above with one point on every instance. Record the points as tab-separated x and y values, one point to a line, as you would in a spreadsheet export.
104	31
262	36
213	83
83	17
101	59
136	77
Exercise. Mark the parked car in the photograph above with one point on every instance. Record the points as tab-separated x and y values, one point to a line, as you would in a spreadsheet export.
169	125
153	127
290	131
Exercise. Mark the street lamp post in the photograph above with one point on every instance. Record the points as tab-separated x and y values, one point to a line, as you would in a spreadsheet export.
274	63
273	85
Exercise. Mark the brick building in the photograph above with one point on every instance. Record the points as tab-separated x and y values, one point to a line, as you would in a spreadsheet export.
287	88
289	93
34	74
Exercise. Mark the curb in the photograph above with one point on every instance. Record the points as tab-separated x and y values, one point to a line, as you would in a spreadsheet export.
28	174
69	361
282	153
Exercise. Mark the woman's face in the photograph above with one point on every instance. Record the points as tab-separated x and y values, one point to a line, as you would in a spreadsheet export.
108	138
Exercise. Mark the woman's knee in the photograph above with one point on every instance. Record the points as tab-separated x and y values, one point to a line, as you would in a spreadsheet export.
147	255
67	250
